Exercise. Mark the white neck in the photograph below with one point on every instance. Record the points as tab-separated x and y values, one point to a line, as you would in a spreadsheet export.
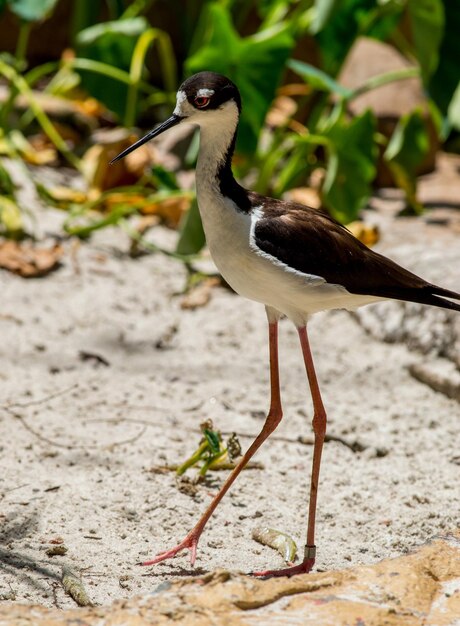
216	135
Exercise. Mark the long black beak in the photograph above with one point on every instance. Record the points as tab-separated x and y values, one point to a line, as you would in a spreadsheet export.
170	122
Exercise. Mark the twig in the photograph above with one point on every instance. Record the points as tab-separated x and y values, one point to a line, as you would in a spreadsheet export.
40	436
14	488
354	446
13	405
57	444
92	537
163	469
130	440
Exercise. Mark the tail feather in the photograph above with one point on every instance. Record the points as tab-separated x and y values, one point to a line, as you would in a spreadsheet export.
441	302
426	294
446	293
436	296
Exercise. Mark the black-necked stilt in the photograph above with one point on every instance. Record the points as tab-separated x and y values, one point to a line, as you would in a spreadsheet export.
293	259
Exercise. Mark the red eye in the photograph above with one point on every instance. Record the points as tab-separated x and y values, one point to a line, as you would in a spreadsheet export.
201	102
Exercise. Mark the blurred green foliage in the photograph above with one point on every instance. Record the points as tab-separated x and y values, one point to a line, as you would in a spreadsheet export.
255	63
254	43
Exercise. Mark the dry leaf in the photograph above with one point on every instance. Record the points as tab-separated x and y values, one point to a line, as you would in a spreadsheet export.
40	156
63	196
74	587
98	172
277	540
200	294
34	152
281	112
127	198
294	89
171	210
304	195
91	107
28	261
368	234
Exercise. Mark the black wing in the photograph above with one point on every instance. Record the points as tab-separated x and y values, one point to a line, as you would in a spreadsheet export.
312	242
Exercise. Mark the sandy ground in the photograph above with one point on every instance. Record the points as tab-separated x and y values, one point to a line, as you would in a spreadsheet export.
79	438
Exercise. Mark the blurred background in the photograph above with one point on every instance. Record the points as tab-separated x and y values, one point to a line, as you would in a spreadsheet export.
340	99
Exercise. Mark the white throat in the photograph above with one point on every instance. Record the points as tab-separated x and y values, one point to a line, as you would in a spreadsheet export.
217	129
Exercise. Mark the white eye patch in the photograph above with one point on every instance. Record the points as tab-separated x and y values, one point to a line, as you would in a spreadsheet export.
204	93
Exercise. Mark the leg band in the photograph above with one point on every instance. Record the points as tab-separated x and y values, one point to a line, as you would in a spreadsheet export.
310	552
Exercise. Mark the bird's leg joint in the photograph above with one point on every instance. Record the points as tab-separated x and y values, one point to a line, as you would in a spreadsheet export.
274	417
319	423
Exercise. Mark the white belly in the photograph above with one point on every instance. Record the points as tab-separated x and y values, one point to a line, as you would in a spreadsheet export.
259	276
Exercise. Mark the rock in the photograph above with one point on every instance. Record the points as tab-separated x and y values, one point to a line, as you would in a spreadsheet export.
422	587
440	375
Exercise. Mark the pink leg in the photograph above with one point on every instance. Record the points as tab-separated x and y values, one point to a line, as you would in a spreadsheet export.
273	419
319	428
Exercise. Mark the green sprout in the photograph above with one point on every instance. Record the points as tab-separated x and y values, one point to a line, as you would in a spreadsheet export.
211	451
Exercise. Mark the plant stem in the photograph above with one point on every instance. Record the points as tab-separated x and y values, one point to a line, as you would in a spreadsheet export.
384	79
192	460
106	70
23	40
135	73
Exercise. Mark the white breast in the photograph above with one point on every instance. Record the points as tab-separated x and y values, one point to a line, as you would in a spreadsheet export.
258	276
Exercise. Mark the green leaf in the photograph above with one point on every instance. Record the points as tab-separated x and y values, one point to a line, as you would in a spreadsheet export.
446	78
130	28
407	148
112	43
111	219
322	14
351	166
318	79
254	63
409	143
31	10
10	216
426	18
343	21
164	179
6	184
453	112
192	238
213	440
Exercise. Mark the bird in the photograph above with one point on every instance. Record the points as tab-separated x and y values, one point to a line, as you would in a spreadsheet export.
293	259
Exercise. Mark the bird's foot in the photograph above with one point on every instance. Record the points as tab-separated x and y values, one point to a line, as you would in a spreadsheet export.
303	568
189	543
